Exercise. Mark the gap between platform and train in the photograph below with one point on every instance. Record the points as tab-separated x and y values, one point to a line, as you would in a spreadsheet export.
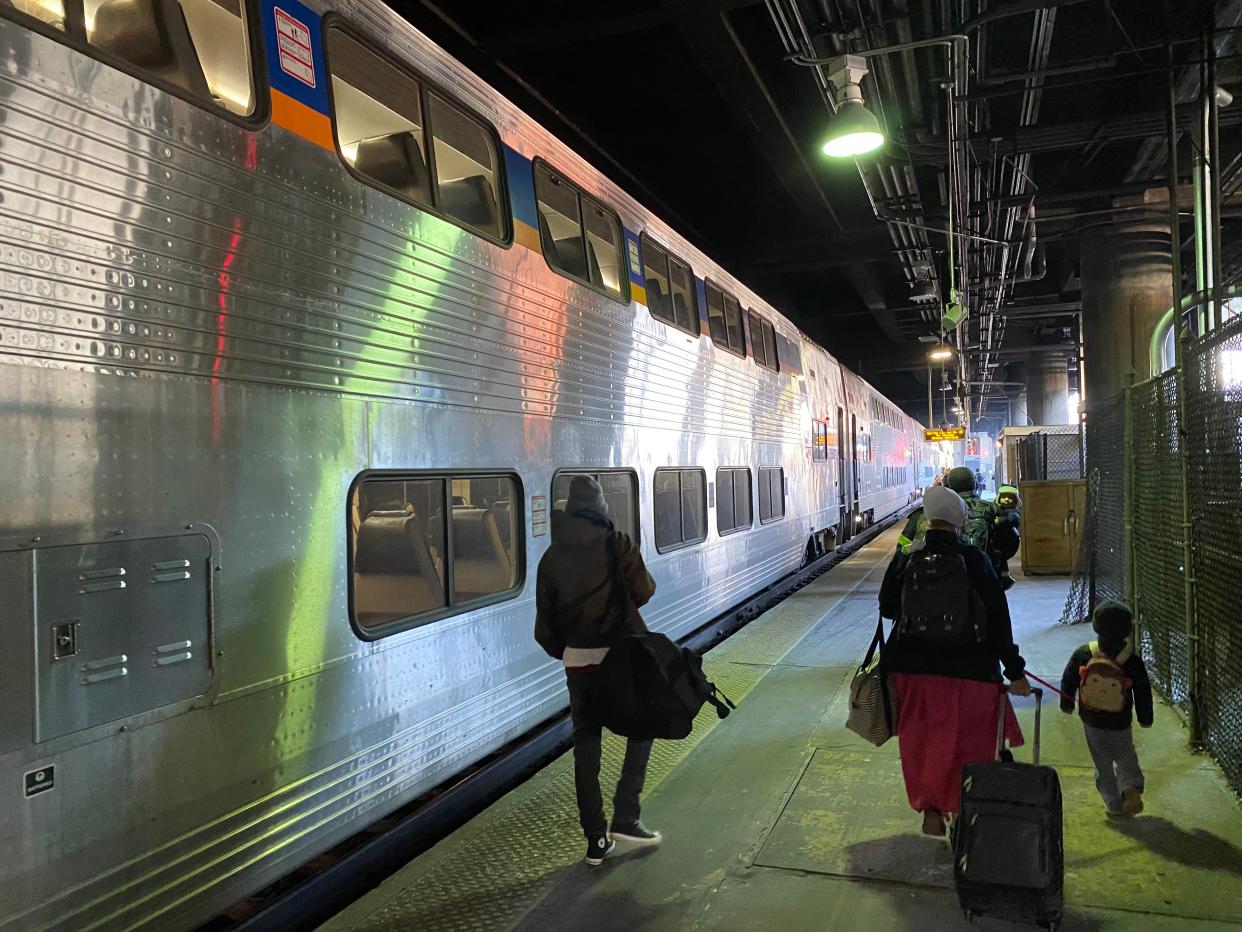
324	886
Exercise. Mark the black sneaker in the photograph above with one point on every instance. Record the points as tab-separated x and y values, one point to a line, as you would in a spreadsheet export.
598	848
635	833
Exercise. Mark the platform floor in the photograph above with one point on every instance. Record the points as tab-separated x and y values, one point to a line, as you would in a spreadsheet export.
779	818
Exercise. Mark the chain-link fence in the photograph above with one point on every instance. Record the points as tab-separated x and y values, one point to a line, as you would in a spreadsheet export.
1214	439
1143	464
1100	573
1158	588
1051	453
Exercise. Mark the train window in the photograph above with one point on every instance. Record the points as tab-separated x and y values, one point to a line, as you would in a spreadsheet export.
819	440
425	547
862	450
670	287
685	296
580	237
680	508
733	509
724	321
715	316
200	46
399	136
466	168
763	342
771	494
769	339
379	119
620	492
48	12
655	276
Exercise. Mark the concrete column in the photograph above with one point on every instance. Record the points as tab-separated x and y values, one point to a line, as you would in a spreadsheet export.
1127	286
1034	391
1053	376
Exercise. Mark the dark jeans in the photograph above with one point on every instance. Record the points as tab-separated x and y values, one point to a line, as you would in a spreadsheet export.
587	740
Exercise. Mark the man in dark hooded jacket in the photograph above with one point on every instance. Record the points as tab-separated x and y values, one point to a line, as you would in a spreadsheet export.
591	583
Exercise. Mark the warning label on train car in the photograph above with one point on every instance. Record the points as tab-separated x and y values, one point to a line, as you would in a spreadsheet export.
40	781
539	515
296	58
934	434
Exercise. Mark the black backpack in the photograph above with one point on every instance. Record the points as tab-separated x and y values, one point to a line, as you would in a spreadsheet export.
649	687
938	603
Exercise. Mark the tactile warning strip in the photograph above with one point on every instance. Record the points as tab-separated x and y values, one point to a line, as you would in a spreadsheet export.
490	873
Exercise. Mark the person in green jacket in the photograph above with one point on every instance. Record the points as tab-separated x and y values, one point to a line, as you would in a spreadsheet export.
980	517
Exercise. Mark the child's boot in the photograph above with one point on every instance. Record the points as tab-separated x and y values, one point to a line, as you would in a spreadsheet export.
1132	801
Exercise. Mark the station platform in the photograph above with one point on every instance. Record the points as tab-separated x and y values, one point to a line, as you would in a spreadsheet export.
779	818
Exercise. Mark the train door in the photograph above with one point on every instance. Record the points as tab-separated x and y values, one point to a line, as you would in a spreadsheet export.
856	470
842	477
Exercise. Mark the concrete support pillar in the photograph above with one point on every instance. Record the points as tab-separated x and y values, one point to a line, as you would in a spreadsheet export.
1034	392
1127	286
1053	378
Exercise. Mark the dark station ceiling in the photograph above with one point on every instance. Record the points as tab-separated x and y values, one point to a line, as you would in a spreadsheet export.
697	108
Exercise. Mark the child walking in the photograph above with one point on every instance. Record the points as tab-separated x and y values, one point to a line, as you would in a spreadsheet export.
1111	682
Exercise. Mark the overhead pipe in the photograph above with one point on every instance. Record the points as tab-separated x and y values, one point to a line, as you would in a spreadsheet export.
796	44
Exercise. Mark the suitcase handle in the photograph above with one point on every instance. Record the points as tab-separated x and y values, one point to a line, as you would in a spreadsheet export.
1000	722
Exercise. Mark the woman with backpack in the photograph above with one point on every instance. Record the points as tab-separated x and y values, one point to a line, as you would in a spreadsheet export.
951	640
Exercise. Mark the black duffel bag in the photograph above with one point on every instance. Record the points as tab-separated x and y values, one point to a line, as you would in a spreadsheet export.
649	687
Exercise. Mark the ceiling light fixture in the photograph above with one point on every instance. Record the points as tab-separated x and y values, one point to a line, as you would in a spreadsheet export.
853	130
955	313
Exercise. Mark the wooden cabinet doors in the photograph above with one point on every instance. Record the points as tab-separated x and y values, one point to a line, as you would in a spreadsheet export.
1053	514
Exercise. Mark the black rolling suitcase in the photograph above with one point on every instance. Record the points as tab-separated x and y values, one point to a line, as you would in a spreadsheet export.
1008	858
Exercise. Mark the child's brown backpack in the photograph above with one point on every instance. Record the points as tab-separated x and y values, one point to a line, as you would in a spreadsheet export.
1104	684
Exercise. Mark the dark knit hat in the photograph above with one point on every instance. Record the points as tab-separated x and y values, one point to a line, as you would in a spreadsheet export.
585	494
1112	621
961	480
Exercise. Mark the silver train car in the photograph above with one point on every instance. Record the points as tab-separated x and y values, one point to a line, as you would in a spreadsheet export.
303	331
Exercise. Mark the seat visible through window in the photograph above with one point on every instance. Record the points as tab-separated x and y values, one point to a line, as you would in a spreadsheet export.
395	162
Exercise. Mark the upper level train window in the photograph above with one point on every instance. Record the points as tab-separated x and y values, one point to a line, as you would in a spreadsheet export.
680	508
580	237
724	321
763	342
733	509
200	46
407	139
620	494
48	12
424	547
771	493
671	295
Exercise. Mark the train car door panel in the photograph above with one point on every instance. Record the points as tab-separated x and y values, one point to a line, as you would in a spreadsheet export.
120	628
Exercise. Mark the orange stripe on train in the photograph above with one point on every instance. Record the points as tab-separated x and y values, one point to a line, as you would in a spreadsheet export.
298	118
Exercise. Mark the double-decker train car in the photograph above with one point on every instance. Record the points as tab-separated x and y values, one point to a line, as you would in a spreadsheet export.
304	330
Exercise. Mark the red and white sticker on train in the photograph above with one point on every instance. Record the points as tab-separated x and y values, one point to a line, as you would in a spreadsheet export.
296	57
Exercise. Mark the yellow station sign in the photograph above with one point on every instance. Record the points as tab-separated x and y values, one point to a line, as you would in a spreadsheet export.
934	434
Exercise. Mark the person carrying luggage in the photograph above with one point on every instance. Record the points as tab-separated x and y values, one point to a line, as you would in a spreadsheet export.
1110	681
951	637
590	584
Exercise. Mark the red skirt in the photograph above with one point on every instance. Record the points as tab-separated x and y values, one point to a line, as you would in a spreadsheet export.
942	724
